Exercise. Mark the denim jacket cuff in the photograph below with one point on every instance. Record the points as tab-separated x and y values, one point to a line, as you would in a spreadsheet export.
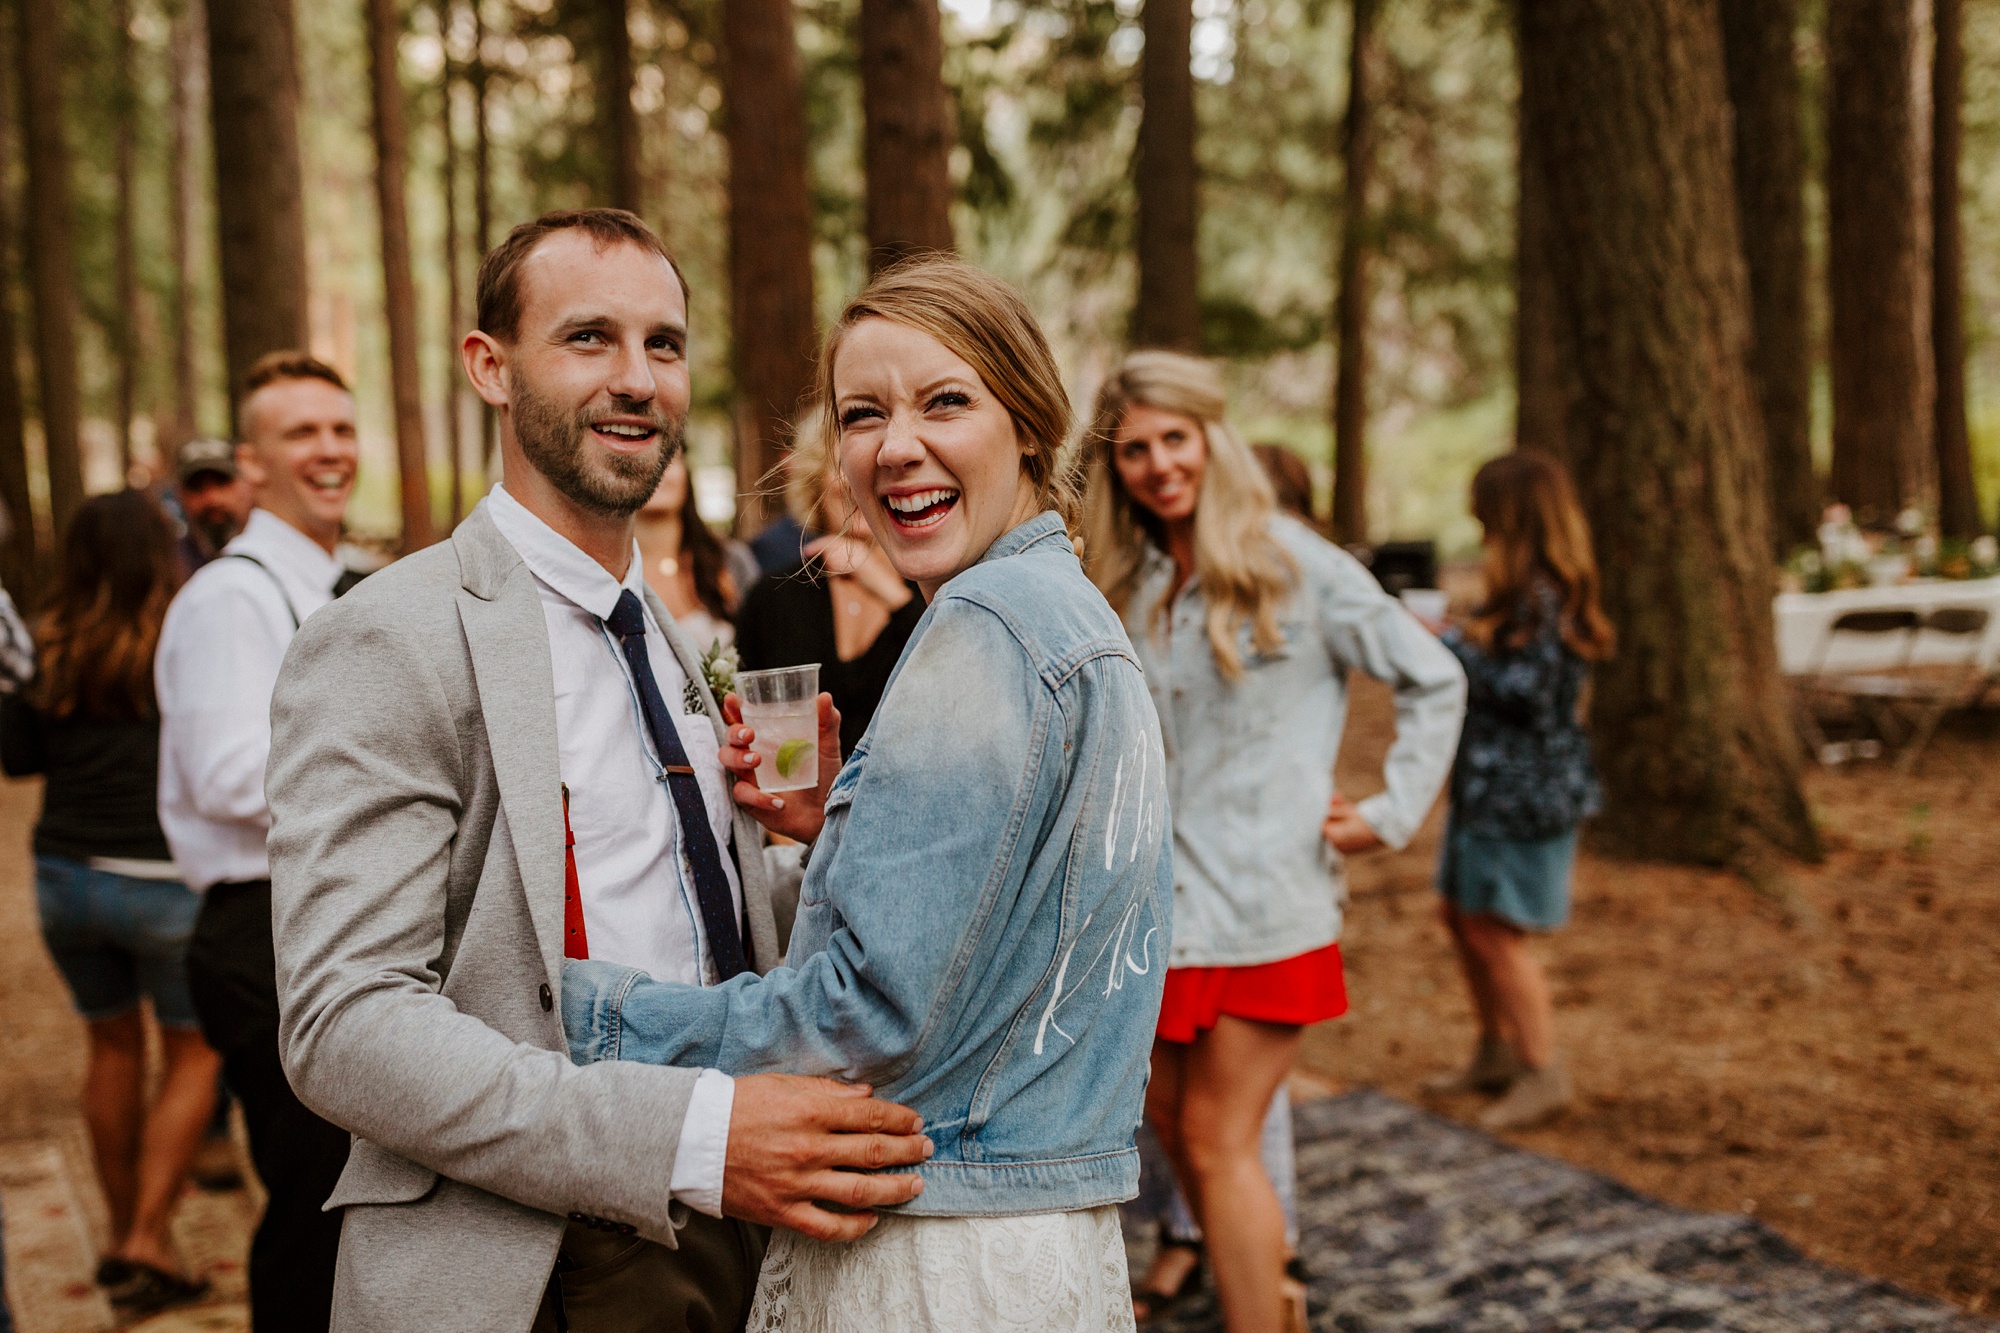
593	995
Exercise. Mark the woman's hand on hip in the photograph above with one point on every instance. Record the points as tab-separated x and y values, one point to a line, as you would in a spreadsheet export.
1346	831
799	814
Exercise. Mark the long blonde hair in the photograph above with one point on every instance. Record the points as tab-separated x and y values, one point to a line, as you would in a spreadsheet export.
1242	571
985	323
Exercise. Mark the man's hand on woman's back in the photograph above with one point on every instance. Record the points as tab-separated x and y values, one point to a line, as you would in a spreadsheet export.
795	1143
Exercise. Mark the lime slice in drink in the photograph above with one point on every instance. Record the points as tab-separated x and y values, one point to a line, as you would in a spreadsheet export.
792	756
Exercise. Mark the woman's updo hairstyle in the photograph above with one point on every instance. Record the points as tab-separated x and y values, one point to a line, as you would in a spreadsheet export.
986	324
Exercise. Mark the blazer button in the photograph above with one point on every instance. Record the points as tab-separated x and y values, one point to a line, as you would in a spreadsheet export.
548	998
578	1217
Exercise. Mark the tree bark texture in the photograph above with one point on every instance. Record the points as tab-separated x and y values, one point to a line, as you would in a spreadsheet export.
1653	316
399	295
618	121
454	300
1757	42
184	94
51	253
1169	308
482	213
1958	502
1542	387
22	556
253	81
770	244
125	333
1350	382
1878	259
907	131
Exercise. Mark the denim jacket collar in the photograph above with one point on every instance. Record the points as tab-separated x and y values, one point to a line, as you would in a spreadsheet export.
1042	527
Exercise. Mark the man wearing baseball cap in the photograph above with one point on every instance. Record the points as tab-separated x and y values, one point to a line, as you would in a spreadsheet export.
214	496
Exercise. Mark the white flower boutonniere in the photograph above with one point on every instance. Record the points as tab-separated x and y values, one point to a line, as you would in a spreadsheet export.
718	669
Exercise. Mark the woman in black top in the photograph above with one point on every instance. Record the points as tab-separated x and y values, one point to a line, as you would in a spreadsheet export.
844	607
114	911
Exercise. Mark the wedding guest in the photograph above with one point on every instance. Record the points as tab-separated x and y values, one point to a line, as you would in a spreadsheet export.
1247	624
699	576
114	911
1524	778
215	498
225	637
987	890
500	751
843	606
1291	481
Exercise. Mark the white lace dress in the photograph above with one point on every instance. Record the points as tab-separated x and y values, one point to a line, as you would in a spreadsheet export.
1044	1273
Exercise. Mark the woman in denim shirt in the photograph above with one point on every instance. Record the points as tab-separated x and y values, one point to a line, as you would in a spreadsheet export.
982	928
1524	778
1247	624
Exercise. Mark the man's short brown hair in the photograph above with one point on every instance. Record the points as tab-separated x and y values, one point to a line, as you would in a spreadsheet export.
285	364
500	272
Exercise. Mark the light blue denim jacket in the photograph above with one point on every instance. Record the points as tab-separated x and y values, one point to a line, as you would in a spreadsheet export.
1250	761
983	924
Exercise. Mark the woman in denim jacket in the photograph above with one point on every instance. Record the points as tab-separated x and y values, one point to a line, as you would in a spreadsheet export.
1247	624
1524	778
983	924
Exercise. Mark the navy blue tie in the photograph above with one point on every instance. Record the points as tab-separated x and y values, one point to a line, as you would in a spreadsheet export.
704	858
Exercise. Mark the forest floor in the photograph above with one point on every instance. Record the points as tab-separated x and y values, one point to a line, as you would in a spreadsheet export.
1823	1053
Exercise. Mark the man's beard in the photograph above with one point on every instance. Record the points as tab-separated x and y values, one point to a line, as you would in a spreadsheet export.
553	439
214	533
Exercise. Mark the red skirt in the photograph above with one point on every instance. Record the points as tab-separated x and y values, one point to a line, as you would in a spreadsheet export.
1306	988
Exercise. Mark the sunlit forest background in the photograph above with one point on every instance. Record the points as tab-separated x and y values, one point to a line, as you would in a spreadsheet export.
1048	110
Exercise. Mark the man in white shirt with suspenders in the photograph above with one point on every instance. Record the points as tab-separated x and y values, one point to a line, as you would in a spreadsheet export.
224	639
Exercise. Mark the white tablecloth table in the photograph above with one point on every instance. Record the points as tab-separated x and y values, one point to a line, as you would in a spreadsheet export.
1803	619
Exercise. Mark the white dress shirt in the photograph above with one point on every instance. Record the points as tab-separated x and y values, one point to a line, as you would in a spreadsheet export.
639	907
220	649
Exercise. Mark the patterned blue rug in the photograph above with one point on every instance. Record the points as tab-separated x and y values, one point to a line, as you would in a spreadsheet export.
1412	1224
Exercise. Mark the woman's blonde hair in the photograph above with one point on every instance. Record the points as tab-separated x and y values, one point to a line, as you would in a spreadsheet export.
1536	533
1242	571
986	324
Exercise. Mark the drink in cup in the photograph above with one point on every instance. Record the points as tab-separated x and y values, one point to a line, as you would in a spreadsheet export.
781	707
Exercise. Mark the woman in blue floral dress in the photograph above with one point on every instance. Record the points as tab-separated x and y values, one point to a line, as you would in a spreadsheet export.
1524	779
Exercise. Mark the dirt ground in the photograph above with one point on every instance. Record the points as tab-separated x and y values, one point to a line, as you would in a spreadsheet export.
1824	1054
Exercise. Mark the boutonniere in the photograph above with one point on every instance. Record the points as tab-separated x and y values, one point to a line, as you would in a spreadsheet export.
718	669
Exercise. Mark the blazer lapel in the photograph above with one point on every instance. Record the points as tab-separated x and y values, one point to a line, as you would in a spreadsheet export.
509	643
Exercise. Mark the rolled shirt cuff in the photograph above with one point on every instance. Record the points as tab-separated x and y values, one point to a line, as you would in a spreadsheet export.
704	1145
1390	823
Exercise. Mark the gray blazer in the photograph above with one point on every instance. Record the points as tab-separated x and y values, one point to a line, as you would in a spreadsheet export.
417	901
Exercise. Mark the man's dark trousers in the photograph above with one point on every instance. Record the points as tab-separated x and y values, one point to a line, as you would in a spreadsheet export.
232	972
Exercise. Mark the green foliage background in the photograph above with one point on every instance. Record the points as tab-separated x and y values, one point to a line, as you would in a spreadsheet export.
1047	112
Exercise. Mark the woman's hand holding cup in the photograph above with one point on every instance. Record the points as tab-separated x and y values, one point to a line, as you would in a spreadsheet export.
798	814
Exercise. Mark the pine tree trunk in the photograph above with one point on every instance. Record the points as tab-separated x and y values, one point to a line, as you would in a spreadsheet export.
907	131
253	82
1770	173
184	55
1169	307
1878	259
482	215
21	556
399	295
51	252
454	300
618	121
1958	502
1350	384
1543	393
770	244
125	327
1653	317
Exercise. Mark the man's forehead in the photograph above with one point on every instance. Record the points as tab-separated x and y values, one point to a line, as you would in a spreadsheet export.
304	396
570	275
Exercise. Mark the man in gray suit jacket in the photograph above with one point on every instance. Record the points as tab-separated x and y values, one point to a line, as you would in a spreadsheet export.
499	752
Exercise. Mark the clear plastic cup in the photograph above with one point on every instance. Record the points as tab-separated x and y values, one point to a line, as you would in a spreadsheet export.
781	707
